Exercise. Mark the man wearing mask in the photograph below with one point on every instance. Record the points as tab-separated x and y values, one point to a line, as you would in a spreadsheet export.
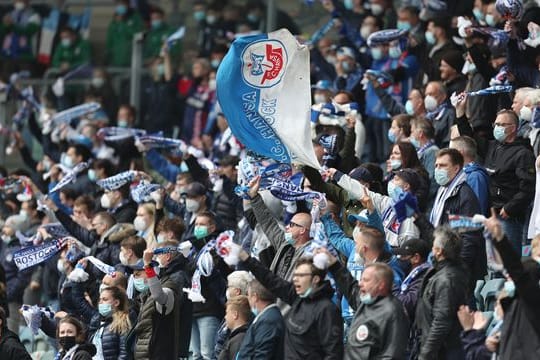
439	111
125	24
443	291
379	318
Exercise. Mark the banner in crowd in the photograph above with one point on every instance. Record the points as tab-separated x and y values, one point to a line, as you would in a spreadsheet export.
263	87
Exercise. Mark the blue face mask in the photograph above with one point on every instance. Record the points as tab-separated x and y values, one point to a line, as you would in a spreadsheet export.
392	136
394	191
441	177
404	25
140	285
376	53
105	309
367	299
499	133
409	107
430	38
121	9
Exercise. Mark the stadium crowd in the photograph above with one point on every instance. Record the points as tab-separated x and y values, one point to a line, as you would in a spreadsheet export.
159	235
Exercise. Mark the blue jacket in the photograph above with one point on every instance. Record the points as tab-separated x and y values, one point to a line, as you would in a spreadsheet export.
478	180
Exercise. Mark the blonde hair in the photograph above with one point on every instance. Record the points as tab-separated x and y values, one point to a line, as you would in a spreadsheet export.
120	318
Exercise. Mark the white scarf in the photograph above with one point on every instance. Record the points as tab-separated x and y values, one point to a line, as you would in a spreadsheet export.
443	194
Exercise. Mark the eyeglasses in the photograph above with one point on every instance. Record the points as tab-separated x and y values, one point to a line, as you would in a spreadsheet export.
293	224
301	274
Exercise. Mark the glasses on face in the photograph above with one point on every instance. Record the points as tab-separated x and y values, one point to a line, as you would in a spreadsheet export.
293	224
301	274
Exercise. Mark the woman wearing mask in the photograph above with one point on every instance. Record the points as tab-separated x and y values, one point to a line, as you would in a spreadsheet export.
145	222
71	341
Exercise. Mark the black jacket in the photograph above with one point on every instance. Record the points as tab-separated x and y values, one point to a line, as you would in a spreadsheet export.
233	344
11	347
520	332
264	337
443	291
314	329
378	330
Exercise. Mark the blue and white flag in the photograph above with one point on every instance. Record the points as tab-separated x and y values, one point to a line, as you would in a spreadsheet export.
263	87
34	255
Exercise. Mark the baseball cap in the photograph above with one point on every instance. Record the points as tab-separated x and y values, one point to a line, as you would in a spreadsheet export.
413	246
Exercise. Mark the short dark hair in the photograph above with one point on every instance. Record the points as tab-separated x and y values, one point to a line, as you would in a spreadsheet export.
455	156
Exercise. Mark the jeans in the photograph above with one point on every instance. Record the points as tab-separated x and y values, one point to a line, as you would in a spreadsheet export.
514	230
203	337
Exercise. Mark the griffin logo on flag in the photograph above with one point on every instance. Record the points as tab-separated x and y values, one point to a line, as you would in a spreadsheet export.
264	63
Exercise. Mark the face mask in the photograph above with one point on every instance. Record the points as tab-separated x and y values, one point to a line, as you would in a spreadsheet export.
441	177
391	136
253	18
478	14
98	82
67	342
140	285
67	161
367	299
331	59
200	231
123	259
430	38
105	309
376	53
105	201
394	191
395	164
199	15
92	175
307	293
468	68
525	113
160	238
24	214
430	103
6	238
365	31
394	52
404	25
409	108
289	238
215	63
212	84
123	123
499	133
346	66
156	23
377	9
140	224
19	5
415	142
211	19
510	288
66	42
254	311
192	205
490	20
349	5
60	266
121	9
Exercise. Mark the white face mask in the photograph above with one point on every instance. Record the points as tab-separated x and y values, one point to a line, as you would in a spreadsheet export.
192	205
430	103
105	201
140	224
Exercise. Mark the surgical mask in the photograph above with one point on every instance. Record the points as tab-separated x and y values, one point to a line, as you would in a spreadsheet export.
123	259
376	53
525	113
6	238
319	98
98	82
160	238
391	136
468	68
289	238
199	15
430	103
404	25
367	299
346	66
430	38
307	293
105	309
254	311
156	23
19	6
394	191
478	14
253	18
66	42
24	214
349	4
441	177
490	20
123	123
212	84
499	133
409	108
200	231
121	9
60	266
395	164
414	141
105	201
377	9
140	224
92	175
192	205
67	342
365	31
140	285
215	63
211	19
510	288
394	52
